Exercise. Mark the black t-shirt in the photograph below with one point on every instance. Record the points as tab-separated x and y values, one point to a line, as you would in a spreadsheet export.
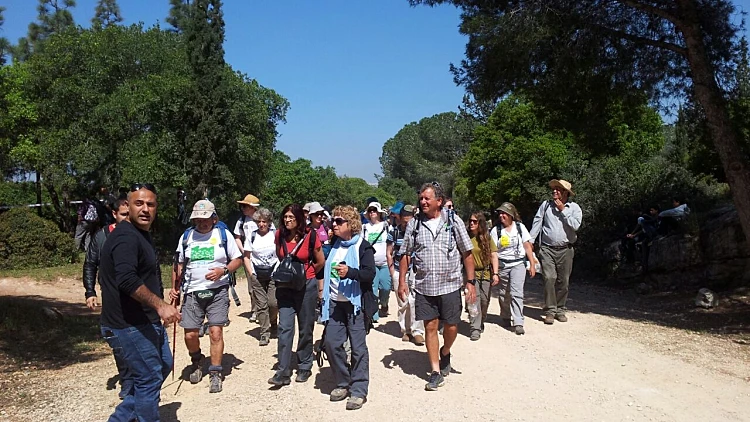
128	261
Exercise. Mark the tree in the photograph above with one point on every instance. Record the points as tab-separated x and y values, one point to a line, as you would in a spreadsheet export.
428	150
4	43
107	13
53	17
399	189
179	14
573	54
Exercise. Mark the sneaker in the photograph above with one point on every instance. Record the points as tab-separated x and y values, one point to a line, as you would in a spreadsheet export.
445	363
475	335
355	403
303	375
405	337
549	319
436	380
279	380
264	339
253	317
214	382
519	330
561	317
419	340
197	374
339	394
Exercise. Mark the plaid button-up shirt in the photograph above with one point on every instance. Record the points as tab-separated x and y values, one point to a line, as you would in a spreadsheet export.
436	256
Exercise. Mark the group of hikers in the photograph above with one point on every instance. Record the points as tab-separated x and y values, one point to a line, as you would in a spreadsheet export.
334	266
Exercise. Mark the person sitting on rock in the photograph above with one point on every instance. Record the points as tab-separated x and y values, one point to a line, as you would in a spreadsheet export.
669	220
647	224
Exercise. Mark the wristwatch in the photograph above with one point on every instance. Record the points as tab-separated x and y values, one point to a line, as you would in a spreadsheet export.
473	282
226	270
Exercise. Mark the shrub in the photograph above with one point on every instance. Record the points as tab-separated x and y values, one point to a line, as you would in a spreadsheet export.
29	241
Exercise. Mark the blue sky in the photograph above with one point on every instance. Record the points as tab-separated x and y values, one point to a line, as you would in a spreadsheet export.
354	71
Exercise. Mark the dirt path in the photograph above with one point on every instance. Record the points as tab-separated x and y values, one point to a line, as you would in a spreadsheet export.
606	364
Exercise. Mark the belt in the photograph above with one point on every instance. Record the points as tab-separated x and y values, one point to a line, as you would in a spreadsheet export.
559	248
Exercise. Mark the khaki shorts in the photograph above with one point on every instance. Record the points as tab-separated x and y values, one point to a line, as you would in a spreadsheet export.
196	309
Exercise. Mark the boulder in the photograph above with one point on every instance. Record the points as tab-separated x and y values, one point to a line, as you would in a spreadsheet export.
706	299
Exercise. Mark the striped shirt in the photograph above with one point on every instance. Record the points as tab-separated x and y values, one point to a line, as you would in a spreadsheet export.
437	253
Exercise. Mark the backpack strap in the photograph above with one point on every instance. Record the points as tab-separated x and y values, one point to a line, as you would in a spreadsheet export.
311	245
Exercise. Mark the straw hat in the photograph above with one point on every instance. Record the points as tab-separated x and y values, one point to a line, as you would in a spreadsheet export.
562	184
251	200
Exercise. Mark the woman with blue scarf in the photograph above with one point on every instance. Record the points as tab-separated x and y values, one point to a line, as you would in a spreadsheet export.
347	302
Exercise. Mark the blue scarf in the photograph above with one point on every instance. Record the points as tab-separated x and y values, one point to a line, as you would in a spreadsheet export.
349	289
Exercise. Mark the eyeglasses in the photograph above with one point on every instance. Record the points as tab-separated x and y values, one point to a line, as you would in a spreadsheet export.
318	214
289	218
138	186
435	184
473	221
339	221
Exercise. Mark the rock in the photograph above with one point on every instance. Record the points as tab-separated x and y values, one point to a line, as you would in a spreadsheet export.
52	313
706	299
642	288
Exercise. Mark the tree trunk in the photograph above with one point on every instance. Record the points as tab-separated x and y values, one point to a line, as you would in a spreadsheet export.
38	186
64	222
711	98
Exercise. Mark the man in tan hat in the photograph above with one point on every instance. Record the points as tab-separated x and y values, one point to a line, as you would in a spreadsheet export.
243	229
556	223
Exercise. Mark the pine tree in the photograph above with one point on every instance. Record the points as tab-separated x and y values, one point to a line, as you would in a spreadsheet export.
4	44
53	16
107	13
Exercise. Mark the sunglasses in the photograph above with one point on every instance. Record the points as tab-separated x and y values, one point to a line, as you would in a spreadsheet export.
450	207
138	186
339	221
473	221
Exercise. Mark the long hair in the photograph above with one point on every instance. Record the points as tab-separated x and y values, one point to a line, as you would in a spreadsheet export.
299	215
483	238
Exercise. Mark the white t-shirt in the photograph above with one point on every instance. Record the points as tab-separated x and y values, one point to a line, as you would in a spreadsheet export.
340	255
263	249
432	224
370	233
205	252
509	246
249	226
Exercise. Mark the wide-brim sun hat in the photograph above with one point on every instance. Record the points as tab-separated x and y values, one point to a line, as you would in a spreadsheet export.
563	184
203	209
509	209
315	207
251	200
375	205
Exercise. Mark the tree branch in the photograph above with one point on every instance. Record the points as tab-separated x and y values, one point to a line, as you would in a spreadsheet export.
652	10
647	41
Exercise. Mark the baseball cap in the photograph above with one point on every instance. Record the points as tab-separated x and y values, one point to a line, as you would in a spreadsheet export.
203	209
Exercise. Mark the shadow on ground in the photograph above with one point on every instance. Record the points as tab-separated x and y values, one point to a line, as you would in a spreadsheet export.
672	309
168	412
52	333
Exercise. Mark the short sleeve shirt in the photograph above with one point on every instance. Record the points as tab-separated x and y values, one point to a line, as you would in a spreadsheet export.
477	253
205	251
262	249
510	248
437	248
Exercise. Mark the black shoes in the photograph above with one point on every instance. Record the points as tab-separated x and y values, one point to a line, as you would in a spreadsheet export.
445	363
436	380
303	375
279	380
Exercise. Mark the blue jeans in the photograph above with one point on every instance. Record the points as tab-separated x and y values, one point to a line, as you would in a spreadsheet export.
381	286
126	378
301	305
343	325
145	353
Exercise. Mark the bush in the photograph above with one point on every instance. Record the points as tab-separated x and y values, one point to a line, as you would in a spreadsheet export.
29	241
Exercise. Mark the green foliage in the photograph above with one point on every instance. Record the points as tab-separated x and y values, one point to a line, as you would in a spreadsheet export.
399	189
53	17
5	47
29	241
18	193
428	150
107	13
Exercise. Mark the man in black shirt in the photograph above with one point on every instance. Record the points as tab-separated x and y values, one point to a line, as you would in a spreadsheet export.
133	307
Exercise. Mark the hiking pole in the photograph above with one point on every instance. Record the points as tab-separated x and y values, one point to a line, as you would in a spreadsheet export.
176	303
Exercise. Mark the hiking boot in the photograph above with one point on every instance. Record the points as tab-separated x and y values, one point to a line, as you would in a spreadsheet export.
419	340
405	337
279	380
355	403
475	335
264	339
383	313
445	363
436	380
203	329
561	317
214	382
303	375
339	394
197	374
519	330
549	319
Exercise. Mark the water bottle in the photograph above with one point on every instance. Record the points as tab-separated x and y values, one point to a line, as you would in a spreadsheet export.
474	308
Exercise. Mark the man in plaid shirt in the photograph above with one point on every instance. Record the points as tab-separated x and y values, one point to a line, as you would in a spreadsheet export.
437	241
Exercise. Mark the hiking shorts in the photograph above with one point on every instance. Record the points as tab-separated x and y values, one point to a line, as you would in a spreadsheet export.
447	307
197	308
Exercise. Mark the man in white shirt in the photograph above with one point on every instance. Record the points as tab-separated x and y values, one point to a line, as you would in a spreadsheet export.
207	258
244	227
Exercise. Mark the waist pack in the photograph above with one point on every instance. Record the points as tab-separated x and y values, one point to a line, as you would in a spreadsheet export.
290	273
263	272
